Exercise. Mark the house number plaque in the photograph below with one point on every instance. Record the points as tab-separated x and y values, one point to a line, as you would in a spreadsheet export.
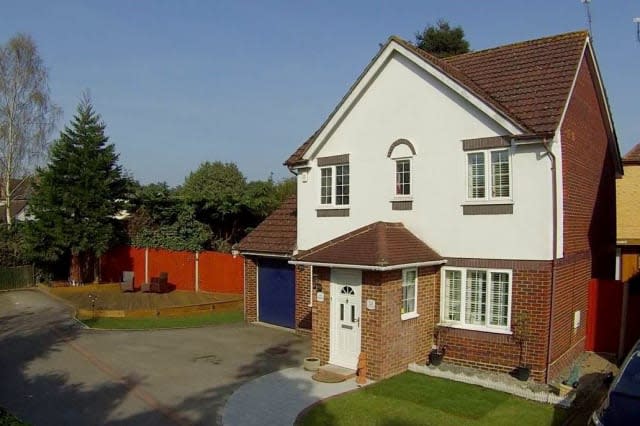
320	296
371	304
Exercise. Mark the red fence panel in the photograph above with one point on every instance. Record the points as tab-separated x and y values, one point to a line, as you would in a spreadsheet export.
180	265
221	272
218	272
604	313
120	259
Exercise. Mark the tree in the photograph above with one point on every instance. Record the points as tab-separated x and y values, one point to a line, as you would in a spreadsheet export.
27	115
216	190
441	40
77	196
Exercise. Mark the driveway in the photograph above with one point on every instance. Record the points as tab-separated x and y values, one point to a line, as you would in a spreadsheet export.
54	372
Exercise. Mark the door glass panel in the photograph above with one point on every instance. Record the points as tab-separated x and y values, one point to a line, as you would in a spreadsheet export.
342	312
353	313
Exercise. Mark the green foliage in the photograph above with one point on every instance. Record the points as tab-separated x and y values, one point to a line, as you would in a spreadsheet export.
216	189
185	233
186	321
441	40
213	209
78	194
12	246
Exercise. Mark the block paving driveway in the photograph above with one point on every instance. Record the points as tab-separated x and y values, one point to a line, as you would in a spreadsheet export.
54	372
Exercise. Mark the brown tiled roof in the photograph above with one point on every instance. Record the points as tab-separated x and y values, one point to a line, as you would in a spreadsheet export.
529	82
20	188
633	156
531	79
380	244
16	207
276	234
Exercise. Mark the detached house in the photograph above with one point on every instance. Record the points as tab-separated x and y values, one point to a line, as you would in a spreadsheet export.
441	202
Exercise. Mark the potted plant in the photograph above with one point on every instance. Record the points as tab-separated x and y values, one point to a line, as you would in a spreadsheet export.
521	335
438	350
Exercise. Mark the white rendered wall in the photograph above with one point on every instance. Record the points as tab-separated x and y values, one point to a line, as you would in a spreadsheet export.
403	101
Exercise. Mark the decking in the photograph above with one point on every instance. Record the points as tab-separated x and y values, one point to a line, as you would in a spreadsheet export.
106	300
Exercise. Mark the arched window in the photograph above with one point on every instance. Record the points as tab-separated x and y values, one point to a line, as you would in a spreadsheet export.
402	152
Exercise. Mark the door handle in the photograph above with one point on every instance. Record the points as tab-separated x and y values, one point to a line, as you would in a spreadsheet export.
358	321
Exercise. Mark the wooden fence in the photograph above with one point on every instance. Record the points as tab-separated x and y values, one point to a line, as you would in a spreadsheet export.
17	277
202	271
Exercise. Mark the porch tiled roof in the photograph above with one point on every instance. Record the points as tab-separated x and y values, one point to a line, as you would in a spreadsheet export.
529	82
380	244
276	234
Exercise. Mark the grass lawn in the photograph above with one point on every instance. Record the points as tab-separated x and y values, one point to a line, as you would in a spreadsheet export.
416	399
195	320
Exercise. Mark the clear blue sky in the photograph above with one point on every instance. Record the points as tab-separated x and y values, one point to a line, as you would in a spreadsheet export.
182	82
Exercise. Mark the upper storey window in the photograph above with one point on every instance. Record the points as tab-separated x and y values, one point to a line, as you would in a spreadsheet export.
334	185
403	177
488	175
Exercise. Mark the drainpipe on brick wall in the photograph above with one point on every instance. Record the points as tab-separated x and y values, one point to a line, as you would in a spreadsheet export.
554	237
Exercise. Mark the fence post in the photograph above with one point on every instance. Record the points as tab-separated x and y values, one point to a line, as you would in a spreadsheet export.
146	264
197	284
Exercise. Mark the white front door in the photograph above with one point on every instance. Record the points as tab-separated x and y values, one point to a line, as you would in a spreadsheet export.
346	305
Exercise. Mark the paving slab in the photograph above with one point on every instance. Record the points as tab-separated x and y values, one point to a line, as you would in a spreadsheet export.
278	398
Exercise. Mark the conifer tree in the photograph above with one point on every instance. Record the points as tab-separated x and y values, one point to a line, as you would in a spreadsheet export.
77	196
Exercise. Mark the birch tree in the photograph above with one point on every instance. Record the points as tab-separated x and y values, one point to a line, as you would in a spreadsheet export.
27	114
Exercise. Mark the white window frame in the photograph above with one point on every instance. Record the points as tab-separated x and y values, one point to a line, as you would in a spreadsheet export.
488	176
334	186
395	180
462	323
414	313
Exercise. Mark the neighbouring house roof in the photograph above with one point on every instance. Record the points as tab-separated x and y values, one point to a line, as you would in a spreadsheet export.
633	156
276	235
20	188
17	206
378	245
529	82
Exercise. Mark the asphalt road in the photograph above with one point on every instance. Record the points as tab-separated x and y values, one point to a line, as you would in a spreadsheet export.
54	372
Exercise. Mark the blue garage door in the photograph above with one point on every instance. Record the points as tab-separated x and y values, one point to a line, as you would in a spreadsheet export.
276	293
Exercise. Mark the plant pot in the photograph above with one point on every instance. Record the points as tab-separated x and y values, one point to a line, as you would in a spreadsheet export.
311	364
564	390
522	373
435	357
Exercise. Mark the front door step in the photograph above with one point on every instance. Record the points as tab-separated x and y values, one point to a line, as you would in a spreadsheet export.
333	374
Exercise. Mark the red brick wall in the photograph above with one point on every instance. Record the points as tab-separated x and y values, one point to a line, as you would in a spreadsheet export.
320	317
588	174
589	218
303	297
531	284
400	342
250	287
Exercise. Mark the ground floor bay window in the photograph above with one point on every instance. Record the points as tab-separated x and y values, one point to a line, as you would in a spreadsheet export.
478	299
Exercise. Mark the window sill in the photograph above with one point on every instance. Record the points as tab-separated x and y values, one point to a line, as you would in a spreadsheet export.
476	328
332	212
487	202
402	198
333	207
409	316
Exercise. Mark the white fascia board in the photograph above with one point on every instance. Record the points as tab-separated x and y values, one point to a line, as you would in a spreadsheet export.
369	267
264	254
370	74
573	86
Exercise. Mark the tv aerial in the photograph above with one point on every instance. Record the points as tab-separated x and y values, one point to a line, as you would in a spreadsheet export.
587	8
